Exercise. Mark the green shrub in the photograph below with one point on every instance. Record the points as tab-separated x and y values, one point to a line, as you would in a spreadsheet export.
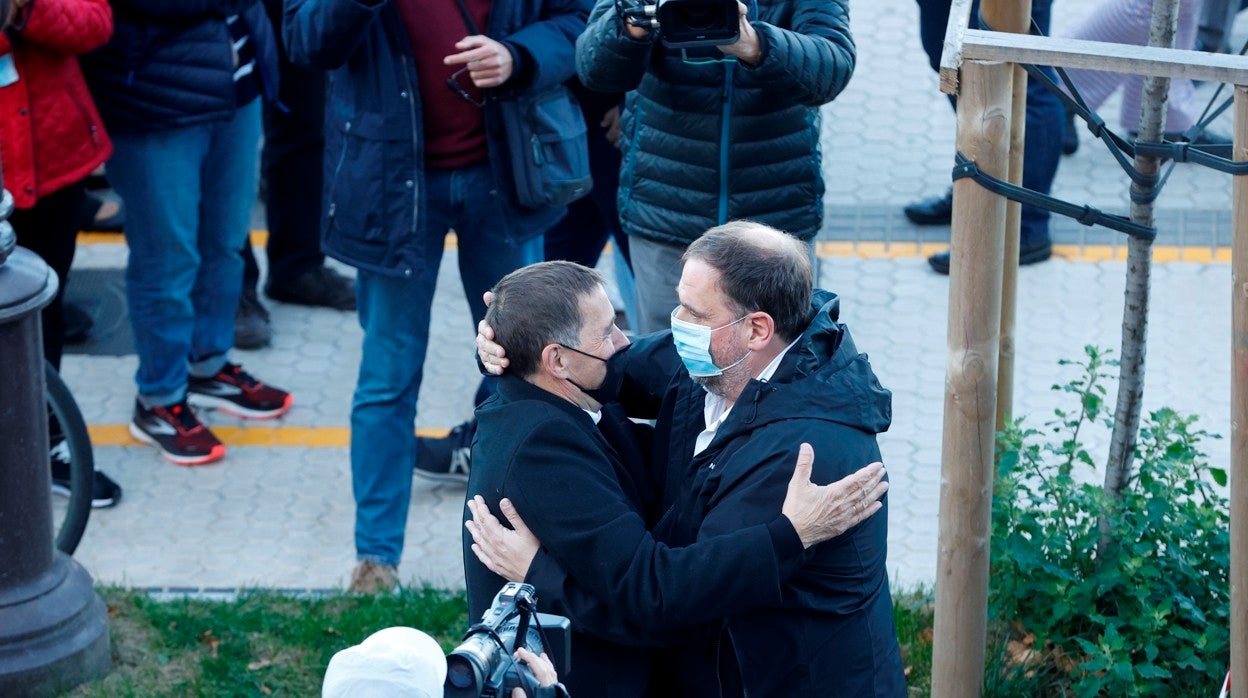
1149	619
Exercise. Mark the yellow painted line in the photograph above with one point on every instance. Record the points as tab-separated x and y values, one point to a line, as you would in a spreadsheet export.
258	238
253	435
870	249
1162	254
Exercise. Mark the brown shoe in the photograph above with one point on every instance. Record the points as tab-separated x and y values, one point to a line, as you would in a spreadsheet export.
370	577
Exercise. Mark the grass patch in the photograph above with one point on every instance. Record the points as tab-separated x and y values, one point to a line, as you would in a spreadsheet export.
269	644
262	644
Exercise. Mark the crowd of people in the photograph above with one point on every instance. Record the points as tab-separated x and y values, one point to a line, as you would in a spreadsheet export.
383	129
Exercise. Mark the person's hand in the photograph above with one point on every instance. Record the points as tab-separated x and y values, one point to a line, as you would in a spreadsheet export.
747	48
611	123
507	553
489	62
822	512
542	668
491	354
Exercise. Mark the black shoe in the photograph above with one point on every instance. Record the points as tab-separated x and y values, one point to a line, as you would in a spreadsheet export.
1027	254
937	210
104	492
252	328
1070	137
78	323
448	459
321	287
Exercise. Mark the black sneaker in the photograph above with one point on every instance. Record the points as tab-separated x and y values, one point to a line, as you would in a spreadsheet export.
177	432
104	492
234	391
448	459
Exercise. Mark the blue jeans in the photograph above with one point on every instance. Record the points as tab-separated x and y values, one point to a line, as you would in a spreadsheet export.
1042	145
394	312
189	194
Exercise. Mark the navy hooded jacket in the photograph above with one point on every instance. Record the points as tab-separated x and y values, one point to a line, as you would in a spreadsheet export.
832	632
374	146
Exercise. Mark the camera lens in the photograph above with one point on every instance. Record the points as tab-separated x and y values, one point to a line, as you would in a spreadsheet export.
459	673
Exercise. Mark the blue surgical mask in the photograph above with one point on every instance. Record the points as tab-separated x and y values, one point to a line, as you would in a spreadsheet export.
693	344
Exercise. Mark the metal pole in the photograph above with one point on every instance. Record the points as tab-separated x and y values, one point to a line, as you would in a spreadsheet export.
984	109
1239	407
53	626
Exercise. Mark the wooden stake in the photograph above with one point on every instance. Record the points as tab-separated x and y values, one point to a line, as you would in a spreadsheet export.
1239	407
1011	17
984	108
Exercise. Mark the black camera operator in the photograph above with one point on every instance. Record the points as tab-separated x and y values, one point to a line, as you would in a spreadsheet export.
720	122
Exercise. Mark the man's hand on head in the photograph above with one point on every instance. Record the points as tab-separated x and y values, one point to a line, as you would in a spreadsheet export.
491	354
747	48
489	62
823	512
505	552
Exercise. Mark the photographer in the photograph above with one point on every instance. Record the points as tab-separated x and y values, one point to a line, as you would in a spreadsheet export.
714	133
403	661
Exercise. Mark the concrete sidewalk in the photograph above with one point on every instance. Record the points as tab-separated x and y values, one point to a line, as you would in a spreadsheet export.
278	511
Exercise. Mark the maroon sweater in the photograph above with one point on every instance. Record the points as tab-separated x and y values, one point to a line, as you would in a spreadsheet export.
454	128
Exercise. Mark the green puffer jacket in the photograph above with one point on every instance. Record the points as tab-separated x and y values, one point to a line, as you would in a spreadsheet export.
708	140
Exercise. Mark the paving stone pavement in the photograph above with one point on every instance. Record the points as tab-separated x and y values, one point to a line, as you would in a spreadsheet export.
281	516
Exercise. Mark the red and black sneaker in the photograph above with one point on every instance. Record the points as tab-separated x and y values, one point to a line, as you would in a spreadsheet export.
177	432
234	391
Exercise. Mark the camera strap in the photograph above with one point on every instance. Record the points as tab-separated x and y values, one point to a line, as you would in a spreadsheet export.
469	22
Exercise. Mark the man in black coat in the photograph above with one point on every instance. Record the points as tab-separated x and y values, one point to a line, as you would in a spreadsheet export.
763	371
574	469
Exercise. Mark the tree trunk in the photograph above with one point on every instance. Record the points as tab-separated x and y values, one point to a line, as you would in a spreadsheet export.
1139	267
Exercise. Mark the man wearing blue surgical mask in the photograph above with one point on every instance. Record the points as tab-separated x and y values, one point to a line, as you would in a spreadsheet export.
553	448
763	364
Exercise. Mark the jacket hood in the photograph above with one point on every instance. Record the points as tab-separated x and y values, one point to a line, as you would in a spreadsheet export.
823	376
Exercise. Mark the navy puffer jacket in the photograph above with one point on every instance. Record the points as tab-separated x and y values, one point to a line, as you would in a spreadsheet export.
170	64
716	140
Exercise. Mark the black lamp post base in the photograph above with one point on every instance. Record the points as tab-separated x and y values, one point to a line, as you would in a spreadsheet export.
53	633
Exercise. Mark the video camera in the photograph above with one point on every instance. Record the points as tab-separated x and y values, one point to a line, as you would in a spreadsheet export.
483	664
686	23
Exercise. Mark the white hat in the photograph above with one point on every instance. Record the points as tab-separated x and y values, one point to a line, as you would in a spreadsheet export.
392	662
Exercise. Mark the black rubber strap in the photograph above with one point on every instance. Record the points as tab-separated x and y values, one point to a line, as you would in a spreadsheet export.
1084	214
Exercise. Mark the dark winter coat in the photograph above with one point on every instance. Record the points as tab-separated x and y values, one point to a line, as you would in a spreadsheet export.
374	157
832	633
51	135
711	142
580	487
170	63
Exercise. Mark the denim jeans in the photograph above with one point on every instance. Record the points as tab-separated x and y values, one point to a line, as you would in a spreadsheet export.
189	194
394	312
1042	144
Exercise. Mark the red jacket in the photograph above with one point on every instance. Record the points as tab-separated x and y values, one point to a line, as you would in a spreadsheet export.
50	132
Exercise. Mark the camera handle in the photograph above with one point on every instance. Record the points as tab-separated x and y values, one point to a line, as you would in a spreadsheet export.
636	13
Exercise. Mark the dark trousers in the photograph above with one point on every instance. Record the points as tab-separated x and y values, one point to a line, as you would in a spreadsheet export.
291	166
50	230
1042	148
581	234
